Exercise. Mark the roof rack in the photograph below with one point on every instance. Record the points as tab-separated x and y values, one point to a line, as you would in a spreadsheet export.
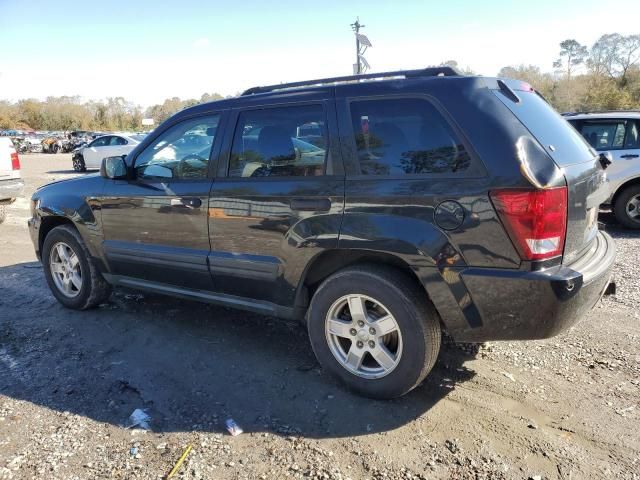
443	71
569	114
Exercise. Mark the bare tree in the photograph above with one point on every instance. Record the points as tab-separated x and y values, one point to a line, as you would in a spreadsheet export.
629	54
613	54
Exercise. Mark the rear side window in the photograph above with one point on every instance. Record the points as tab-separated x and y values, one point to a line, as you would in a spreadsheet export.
279	142
407	136
562	142
117	141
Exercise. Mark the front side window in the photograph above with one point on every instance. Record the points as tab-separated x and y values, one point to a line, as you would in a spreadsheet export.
405	136
100	142
279	142
182	152
604	135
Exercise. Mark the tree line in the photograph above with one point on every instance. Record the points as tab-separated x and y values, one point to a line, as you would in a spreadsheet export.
605	76
71	113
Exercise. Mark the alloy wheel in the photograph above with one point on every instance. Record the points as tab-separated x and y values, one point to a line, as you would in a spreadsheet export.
363	336
633	208
66	272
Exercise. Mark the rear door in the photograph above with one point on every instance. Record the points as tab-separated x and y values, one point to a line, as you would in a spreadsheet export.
96	151
120	146
618	137
277	201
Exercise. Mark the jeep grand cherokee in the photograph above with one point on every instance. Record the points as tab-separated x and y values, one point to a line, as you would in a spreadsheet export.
424	200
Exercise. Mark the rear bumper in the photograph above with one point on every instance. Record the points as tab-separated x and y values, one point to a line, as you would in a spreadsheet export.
10	189
517	305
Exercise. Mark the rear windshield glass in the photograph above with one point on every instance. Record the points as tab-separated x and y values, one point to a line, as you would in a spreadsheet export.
563	143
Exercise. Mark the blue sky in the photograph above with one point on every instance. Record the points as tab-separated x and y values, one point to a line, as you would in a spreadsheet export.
149	50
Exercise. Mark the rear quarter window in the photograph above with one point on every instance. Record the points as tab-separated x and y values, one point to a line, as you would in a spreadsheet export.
559	139
407	136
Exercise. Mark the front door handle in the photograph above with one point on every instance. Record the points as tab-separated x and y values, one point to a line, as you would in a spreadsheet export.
189	202
310	204
629	155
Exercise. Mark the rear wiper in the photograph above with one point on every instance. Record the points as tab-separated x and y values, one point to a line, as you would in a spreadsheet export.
508	92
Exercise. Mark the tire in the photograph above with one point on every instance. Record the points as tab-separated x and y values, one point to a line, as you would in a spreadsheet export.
3	213
627	207
91	289
78	163
413	346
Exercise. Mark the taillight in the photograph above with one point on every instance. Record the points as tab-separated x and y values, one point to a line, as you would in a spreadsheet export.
15	161
536	220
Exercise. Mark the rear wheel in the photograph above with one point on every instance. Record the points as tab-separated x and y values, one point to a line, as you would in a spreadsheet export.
375	330
627	207
71	273
78	163
3	213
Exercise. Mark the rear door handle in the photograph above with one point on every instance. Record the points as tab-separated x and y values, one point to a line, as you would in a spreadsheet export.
310	204
629	155
189	202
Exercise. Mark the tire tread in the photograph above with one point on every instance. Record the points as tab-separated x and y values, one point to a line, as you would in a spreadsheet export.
99	289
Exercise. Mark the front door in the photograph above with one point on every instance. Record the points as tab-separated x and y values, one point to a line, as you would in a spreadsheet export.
155	225
621	138
277	202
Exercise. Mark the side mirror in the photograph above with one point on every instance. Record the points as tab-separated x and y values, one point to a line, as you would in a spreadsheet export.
114	168
606	159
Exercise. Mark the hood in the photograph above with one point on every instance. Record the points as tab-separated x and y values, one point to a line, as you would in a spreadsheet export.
71	182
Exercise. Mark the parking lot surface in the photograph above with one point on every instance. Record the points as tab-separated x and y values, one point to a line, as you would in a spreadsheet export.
563	408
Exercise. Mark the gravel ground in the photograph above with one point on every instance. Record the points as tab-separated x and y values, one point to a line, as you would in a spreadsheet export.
564	408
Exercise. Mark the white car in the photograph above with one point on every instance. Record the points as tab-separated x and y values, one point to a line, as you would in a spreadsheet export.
91	155
617	134
11	183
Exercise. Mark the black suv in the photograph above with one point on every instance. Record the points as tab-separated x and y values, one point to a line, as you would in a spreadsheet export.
379	209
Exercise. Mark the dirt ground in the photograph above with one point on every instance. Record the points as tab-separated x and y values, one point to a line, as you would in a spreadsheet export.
564	408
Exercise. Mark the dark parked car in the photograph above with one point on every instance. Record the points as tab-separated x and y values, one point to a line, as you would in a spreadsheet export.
431	201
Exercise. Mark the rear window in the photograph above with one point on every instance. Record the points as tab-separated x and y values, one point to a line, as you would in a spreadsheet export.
560	140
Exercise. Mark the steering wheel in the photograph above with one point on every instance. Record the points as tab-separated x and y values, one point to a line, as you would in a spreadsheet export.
184	168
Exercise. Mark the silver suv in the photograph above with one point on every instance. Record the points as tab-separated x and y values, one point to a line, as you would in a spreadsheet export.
617	133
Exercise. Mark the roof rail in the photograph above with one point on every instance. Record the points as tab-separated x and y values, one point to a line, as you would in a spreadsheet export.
586	112
443	71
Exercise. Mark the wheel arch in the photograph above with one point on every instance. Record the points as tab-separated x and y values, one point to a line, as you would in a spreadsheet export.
330	261
325	264
628	183
49	223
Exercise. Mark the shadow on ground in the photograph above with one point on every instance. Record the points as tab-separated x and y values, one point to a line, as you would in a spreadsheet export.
191	365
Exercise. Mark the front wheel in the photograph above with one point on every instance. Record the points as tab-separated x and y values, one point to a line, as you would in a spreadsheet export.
3	213
71	273
78	163
627	207
374	329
